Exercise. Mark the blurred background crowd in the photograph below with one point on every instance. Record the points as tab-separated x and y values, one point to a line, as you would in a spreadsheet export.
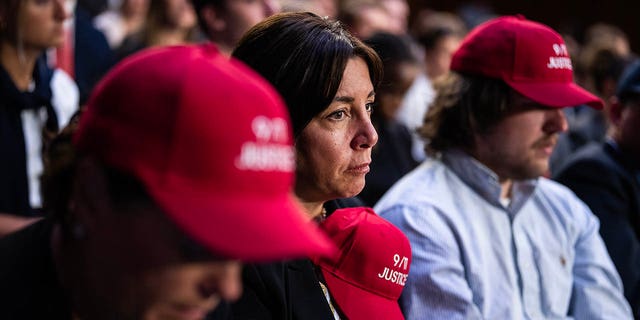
415	40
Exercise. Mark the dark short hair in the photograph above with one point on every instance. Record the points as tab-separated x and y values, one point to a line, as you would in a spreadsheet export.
465	105
304	57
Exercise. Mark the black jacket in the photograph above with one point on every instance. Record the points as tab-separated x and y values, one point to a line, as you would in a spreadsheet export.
609	183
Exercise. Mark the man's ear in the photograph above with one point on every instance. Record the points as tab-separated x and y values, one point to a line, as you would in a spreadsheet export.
213	18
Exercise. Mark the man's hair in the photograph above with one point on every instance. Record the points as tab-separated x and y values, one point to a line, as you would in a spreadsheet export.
465	105
60	168
304	56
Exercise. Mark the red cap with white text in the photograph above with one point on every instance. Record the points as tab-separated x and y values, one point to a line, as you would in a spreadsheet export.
211	142
366	277
530	57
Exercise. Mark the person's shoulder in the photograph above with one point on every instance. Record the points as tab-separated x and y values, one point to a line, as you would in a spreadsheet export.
554	189
592	154
562	201
423	181
29	284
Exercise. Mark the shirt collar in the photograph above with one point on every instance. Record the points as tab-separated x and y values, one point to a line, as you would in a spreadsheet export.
485	182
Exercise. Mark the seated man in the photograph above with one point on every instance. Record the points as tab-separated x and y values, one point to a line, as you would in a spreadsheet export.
607	178
154	202
492	238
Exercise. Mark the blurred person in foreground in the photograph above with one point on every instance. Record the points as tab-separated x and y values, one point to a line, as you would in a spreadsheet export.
224	22
491	237
606	177
35	101
327	78
153	203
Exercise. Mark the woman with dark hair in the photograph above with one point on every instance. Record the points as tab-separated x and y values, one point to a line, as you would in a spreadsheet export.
35	101
327	78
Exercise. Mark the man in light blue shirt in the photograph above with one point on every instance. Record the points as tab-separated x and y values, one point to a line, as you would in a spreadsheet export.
492	238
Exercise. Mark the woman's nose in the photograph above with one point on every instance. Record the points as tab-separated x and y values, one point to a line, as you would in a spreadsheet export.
366	135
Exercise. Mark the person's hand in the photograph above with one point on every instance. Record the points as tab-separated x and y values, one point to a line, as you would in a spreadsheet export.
10	223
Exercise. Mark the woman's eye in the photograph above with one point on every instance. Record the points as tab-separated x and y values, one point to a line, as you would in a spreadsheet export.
337	115
370	106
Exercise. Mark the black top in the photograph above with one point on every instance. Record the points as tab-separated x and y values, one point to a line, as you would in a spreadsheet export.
14	190
29	286
286	290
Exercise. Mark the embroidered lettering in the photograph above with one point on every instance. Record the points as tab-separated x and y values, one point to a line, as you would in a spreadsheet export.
559	63
265	157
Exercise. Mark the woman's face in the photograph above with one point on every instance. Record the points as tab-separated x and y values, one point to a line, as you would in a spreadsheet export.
40	23
180	14
333	151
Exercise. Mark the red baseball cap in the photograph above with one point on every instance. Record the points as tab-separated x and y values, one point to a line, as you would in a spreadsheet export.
367	275
530	57
211	141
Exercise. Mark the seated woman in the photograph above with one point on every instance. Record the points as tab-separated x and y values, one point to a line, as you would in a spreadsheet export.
327	78
35	101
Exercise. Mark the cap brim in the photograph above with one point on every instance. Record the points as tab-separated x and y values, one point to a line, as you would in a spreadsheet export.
359	304
252	230
558	95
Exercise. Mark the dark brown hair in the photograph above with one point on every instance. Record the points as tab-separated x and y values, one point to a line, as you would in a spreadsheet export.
60	168
465	105
304	57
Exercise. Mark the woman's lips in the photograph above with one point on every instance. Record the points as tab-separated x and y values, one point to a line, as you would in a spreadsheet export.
360	169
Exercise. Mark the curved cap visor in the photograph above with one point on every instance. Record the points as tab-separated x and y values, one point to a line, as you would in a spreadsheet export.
558	95
281	234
